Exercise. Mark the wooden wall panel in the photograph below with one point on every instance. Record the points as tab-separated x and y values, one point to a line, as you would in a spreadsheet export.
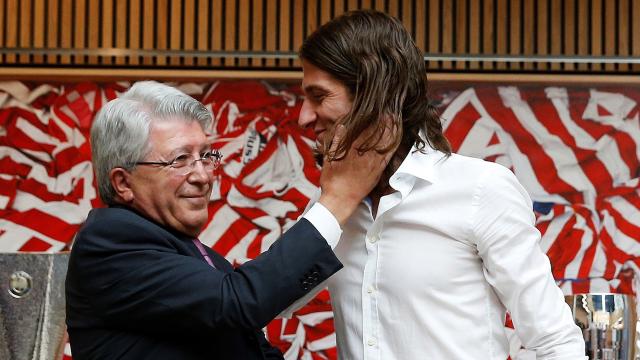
38	30
203	30
610	32
635	10
455	35
11	31
26	28
623	31
257	29
189	33
583	30
106	40
515	31
272	30
489	31
216	30
176	28
502	30
460	30
243	34
568	31
542	30
93	32
557	32
446	32
121	32
298	27
528	31
3	18
434	40
284	43
158	38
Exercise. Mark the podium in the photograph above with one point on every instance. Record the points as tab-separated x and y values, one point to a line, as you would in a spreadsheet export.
608	323
32	305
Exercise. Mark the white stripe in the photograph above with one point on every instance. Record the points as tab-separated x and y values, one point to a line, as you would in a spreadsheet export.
4	201
297	343
599	285
621	240
17	235
239	251
618	105
455	106
327	342
599	262
520	162
606	148
562	156
68	212
221	221
554	229
628	211
571	271
632	127
35	134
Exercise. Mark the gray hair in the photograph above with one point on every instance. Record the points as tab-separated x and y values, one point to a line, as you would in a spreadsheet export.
120	131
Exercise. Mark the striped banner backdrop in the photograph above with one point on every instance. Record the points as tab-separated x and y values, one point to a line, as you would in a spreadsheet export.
575	149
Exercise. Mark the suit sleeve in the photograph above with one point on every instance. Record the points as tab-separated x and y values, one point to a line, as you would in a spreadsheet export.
136	279
270	352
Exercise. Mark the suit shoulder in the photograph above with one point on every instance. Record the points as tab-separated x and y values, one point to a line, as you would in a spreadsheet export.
116	220
118	225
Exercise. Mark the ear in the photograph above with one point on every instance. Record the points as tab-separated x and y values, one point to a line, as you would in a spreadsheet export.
119	178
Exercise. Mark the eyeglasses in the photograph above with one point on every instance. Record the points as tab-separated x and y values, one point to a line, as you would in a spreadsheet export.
185	163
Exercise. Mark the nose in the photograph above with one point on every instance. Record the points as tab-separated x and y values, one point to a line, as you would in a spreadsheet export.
307	115
199	174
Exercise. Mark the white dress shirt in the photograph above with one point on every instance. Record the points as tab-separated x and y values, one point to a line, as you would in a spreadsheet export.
432	275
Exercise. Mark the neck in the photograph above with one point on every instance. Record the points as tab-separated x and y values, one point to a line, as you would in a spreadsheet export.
383	187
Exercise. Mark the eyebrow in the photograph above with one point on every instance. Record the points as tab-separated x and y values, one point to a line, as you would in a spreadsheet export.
183	149
314	87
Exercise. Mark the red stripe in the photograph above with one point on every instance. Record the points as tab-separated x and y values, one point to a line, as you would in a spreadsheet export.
564	249
611	250
629	229
589	255
35	245
255	248
461	123
527	144
581	287
547	115
230	238
628	149
50	226
8	166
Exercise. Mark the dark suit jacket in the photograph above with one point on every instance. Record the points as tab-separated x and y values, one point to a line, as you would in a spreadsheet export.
138	290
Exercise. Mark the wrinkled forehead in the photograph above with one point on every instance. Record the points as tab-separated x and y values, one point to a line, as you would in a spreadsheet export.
177	134
316	80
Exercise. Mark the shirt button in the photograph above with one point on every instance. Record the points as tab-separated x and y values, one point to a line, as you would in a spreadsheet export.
373	238
370	289
371	342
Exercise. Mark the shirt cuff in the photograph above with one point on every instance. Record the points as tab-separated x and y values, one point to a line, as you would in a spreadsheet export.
326	224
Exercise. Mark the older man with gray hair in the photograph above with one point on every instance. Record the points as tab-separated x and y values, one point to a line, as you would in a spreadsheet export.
140	285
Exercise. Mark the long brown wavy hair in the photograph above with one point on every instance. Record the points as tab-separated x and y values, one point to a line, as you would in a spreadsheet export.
374	56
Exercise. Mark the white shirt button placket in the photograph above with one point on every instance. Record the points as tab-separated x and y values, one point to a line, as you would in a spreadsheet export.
369	299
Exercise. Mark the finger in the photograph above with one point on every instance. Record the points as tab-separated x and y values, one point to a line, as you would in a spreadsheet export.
338	136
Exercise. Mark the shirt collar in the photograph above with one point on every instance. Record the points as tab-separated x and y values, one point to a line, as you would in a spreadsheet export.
419	164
